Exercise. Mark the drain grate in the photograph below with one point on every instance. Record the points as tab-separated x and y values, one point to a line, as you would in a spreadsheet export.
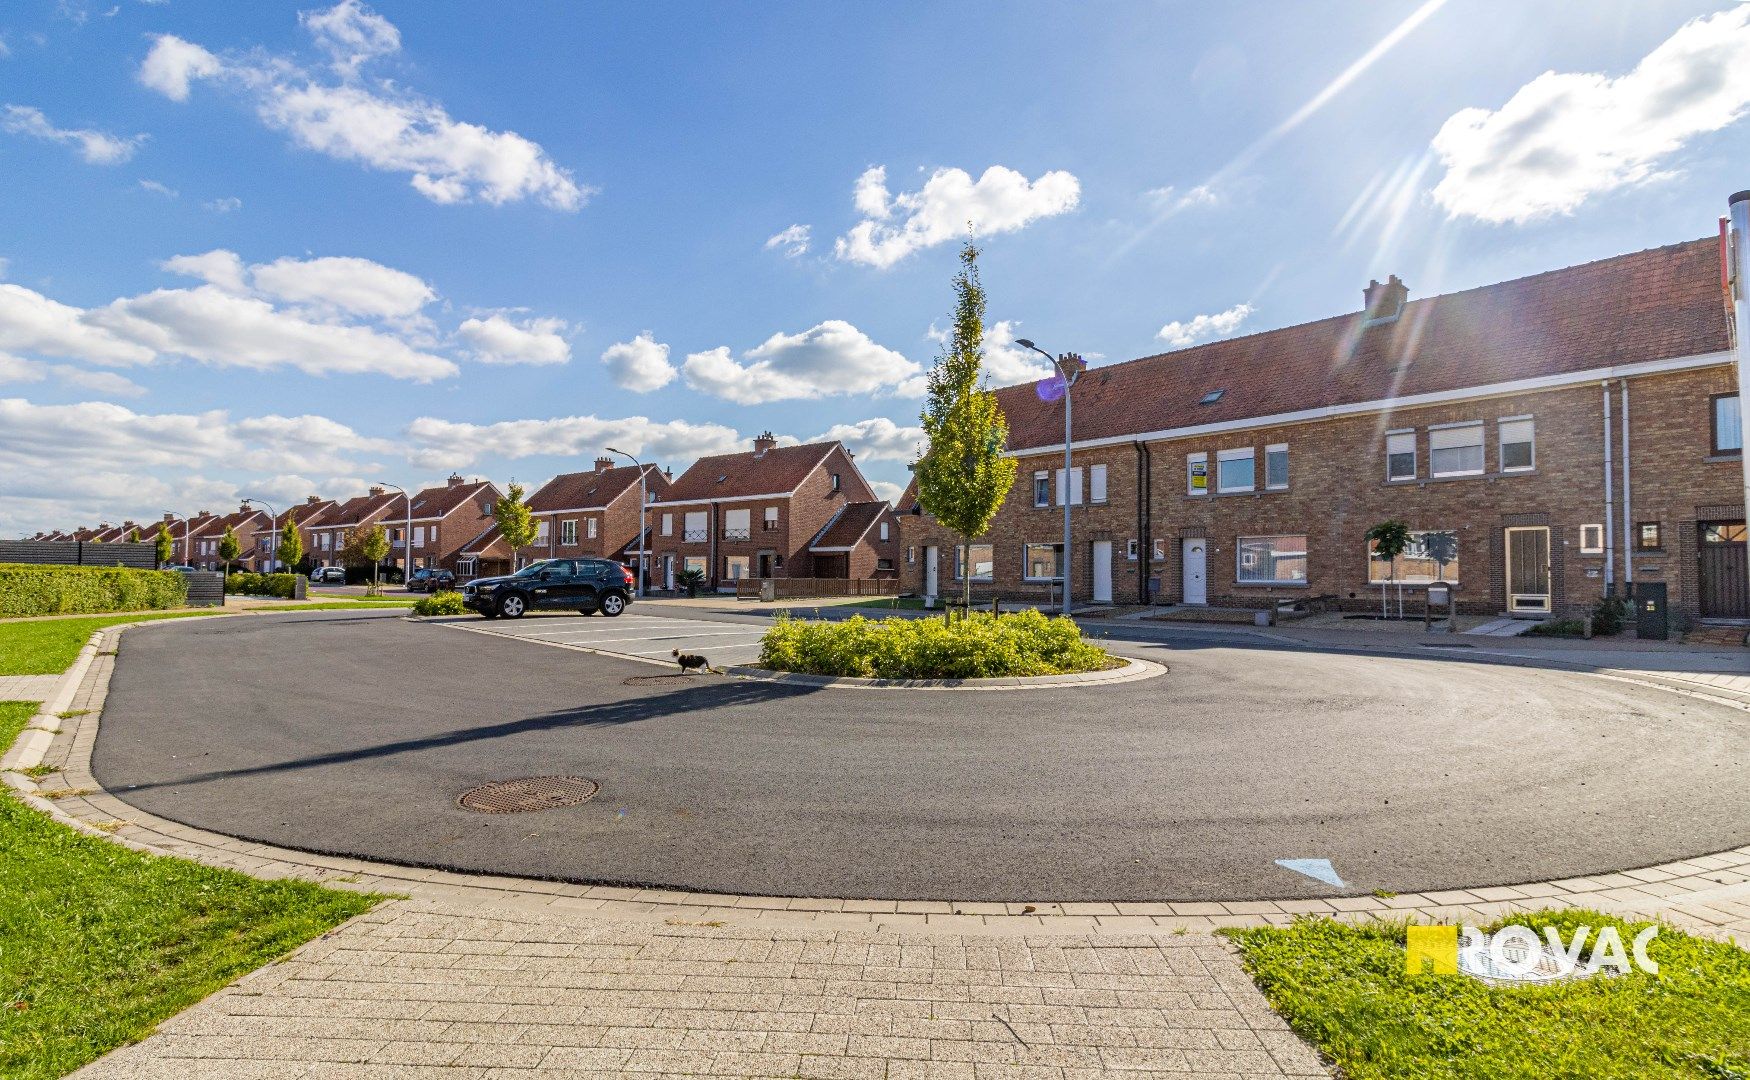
529	793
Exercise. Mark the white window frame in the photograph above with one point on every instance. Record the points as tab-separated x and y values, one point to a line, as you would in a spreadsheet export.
1481	445
1074	487
1238	453
1415	462
589	528
1191	463
668	524
1270	451
960	559
1501	442
568	532
1592	539
1041	495
884	530
540	530
1096	484
1131	547
1240	551
1027	562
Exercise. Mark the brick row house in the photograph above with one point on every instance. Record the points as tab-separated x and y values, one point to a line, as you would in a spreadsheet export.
771	512
207	531
592	514
329	535
445	518
1548	440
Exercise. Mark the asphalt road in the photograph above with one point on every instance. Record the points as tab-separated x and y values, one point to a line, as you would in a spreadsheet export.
355	734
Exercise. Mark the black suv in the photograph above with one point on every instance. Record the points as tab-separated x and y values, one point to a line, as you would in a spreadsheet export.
583	585
429	580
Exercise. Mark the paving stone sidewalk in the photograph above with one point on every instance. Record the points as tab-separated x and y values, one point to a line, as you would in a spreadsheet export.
423	989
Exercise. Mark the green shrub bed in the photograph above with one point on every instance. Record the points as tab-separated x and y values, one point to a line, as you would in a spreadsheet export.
980	646
245	583
30	589
439	603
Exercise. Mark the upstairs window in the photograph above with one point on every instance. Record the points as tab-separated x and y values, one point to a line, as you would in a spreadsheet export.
668	524
1518	454
884	530
1235	471
1456	450
1074	487
1276	467
1196	474
568	532
1728	425
1097	483
835	481
1041	489
1400	455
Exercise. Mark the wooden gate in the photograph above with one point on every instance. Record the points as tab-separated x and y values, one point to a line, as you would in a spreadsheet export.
1725	589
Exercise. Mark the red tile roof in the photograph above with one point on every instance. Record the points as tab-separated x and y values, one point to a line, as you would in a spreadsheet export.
848	527
489	543
1657	304
366	509
437	502
575	491
779	470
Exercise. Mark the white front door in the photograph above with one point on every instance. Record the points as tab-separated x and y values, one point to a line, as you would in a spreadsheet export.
1196	571
668	572
1102	571
932	584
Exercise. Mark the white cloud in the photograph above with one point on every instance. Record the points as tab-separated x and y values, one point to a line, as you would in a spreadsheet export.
499	340
219	267
887	489
354	285
351	34
1565	137
375	123
876	439
173	63
1179	334
224	205
1002	200
1170	200
158	189
1005	363
17	369
447	444
32	323
831	358
96	147
640	365
793	241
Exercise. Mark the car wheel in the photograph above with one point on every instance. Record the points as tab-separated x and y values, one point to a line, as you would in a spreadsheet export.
512	606
612	604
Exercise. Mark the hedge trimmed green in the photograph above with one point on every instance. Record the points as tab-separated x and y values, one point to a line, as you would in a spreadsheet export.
439	603
30	589
245	583
980	646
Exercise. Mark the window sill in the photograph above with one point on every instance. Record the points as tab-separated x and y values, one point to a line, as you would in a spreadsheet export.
1734	457
1272	585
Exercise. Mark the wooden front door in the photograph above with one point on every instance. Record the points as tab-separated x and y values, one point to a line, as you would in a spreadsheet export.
1725	587
1528	569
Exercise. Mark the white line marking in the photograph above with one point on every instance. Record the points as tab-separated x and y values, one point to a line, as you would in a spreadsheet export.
660	637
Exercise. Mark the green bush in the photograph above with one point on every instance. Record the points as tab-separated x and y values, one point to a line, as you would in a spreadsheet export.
979	646
1558	628
30	589
245	583
1608	616
439	603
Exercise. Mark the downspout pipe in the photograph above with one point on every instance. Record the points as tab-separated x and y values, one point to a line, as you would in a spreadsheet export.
1609	504
1740	252
1142	523
1628	516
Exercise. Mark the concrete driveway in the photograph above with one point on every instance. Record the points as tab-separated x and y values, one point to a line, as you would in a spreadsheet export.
355	734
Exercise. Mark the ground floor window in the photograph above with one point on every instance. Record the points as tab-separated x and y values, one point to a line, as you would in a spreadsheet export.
1271	560
1649	536
884	564
694	562
1431	556
1043	562
736	567
983	562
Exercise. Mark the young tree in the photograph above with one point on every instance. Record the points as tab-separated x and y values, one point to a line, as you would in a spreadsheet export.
134	536
963	475
374	545
1390	538
514	522
229	547
166	546
291	545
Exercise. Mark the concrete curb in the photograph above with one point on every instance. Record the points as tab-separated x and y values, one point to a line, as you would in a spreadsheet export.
1706	894
1133	671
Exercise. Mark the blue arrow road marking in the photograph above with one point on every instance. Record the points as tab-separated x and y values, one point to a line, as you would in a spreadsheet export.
1317	869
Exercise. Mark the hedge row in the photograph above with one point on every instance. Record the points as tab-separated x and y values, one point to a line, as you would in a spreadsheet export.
32	589
978	646
440	603
249	584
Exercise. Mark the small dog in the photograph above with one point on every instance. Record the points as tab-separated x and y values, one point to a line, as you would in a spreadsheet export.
689	661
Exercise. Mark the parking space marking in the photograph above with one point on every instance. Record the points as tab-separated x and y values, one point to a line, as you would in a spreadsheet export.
646	639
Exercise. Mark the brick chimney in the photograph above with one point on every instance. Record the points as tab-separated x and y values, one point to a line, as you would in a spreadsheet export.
243	508
1383	303
762	442
455	480
169	518
375	491
603	464
312	499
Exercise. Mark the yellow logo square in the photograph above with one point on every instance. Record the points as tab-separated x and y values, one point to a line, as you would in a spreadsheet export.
1431	950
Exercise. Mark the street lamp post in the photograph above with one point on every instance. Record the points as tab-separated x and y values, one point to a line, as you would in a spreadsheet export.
272	525
643	505
1069	368
406	535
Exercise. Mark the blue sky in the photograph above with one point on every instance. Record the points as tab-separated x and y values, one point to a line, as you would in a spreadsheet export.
273	249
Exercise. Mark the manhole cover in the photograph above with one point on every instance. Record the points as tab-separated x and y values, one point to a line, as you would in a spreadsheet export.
530	793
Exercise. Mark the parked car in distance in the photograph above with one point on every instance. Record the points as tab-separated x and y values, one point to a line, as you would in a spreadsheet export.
181	568
329	575
426	579
583	585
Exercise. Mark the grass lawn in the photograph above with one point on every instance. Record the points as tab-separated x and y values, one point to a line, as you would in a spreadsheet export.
13	716
1344	989
49	646
892	603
